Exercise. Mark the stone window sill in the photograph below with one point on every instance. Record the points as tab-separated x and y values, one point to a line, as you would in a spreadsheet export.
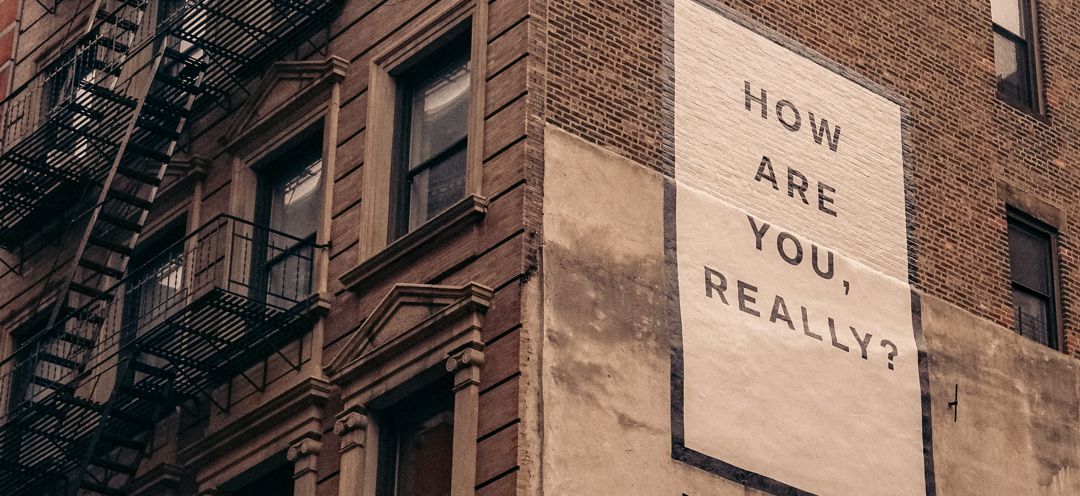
469	210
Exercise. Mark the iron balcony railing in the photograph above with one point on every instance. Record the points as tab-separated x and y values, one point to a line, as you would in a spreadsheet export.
63	125
222	297
230	34
1033	327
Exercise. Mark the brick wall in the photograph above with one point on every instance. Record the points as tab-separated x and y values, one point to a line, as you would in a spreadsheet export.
491	254
604	64
605	70
9	15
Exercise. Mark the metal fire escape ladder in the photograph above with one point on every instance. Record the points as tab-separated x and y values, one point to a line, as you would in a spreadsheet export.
80	400
117	434
158	113
141	390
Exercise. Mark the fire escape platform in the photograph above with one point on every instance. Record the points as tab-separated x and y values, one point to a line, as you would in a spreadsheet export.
217	336
245	294
60	130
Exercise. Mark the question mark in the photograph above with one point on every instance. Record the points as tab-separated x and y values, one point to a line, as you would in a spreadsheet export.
885	343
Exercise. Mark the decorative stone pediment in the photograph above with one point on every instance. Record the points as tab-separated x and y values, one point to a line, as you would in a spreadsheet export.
290	88
408	315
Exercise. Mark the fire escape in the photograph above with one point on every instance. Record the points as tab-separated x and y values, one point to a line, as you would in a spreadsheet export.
125	346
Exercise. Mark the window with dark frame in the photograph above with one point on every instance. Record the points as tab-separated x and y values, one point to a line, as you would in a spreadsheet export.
155	284
1014	52
1032	262
432	135
416	437
20	386
288	203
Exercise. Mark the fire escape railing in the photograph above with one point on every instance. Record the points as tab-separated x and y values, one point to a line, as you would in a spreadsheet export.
123	347
201	311
60	129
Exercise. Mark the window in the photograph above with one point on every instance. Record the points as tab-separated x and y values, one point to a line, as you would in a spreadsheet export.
1014	52
289	204
65	85
416	444
1032	248
155	287
261	481
432	135
424	152
22	366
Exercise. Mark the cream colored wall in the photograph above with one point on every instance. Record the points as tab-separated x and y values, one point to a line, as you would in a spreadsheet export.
604	389
604	359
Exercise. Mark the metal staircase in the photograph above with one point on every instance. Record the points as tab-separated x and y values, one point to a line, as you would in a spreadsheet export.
81	398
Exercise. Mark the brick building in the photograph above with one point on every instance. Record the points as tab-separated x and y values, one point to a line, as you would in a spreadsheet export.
414	247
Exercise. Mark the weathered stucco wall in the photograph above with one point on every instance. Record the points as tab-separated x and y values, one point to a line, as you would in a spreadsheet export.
1019	402
605	359
605	363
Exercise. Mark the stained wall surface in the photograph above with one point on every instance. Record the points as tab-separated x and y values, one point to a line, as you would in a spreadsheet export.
606	356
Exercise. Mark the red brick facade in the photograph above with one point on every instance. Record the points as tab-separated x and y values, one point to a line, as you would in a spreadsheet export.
605	71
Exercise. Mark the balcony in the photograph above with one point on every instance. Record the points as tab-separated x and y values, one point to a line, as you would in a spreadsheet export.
192	317
62	130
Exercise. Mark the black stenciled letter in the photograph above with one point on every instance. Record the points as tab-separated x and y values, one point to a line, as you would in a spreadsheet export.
823	131
790	126
765	171
832	332
763	101
801	187
824	274
823	198
795	259
806	325
759	232
745	298
780	312
864	342
718	287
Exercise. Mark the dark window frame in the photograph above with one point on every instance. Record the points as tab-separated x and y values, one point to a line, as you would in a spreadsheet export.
1030	100
430	400
149	250
22	339
1018	219
286	161
455	49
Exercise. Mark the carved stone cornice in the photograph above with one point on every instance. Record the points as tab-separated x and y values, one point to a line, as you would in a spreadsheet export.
290	406
351	428
304	454
303	86
390	330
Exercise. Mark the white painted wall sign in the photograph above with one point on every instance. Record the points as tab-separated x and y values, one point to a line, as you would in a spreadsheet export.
799	370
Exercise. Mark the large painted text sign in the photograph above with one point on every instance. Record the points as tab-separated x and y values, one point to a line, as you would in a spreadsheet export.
797	368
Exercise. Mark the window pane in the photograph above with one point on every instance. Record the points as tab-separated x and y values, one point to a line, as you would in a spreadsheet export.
1010	61
439	112
158	291
1029	258
436	188
1009	15
425	457
288	273
294	200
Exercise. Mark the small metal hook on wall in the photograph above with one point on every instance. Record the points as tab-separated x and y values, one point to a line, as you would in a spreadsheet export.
955	403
